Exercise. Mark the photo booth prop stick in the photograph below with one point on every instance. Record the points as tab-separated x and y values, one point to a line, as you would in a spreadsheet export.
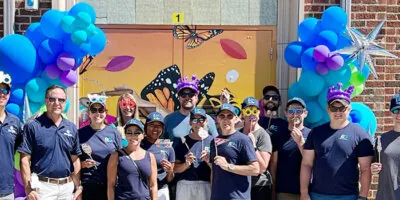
88	150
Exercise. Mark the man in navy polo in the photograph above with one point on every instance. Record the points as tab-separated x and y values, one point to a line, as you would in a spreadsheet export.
332	153
233	159
10	137
49	152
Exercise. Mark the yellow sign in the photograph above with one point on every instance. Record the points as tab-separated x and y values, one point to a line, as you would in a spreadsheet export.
178	17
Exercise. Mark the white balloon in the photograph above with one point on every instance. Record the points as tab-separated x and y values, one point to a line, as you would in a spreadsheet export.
232	76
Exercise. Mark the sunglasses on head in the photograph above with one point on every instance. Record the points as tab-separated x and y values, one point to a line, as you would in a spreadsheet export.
4	91
249	111
295	111
198	120
229	116
97	110
337	109
187	94
53	99
271	97
125	103
397	111
137	132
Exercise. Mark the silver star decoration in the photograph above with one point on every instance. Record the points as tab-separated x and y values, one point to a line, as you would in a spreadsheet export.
363	47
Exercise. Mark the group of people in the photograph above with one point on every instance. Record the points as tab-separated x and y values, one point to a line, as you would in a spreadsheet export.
238	155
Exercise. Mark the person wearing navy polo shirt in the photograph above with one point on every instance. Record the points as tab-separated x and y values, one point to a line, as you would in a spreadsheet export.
97	142
192	160
334	152
49	152
165	155
287	151
233	159
10	138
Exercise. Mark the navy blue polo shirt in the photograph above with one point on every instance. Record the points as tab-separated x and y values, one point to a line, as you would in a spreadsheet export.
336	158
103	143
159	154
50	147
289	161
199	170
238	150
276	125
10	137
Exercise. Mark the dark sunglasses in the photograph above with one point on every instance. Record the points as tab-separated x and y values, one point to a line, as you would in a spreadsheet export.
137	132
230	116
273	97
198	120
396	111
99	110
52	99
4	91
295	111
337	109
187	94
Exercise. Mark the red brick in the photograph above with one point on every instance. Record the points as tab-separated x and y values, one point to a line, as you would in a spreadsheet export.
391	16
358	8
389	91
45	5
357	24
388	120
375	84
29	12
389	77
373	23
365	15
317	8
308	1
22	19
392	9
369	1
380	8
356	1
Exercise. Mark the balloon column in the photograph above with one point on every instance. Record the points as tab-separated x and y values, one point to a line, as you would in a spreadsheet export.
322	68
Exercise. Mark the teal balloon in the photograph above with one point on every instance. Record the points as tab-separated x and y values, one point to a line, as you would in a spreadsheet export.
14	109
323	98
310	83
307	60
83	7
79	37
51	24
96	43
68	24
295	91
83	20
91	30
334	18
34	107
315	112
35	90
17	96
363	116
335	76
67	105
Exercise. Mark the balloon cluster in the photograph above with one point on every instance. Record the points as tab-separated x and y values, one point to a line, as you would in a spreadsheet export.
321	68
50	53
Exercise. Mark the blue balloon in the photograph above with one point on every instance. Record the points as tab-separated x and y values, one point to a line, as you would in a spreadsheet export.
34	107
36	90
67	105
78	63
13	109
308	30
17	96
327	38
335	76
51	24
308	62
49	51
96	43
71	48
323	98
83	7
311	83
315	112
35	34
364	71
67	24
18	58
293	52
363	116
343	41
334	18
295	91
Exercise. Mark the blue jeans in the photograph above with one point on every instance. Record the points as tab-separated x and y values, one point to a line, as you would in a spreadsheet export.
316	196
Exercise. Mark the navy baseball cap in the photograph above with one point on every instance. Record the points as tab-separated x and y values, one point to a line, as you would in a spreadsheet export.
296	100
395	102
198	111
269	88
135	122
229	107
155	117
250	101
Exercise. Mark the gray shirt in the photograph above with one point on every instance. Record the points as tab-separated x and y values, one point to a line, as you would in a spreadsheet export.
389	177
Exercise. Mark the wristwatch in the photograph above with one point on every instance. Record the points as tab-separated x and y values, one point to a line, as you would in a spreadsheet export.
231	167
362	198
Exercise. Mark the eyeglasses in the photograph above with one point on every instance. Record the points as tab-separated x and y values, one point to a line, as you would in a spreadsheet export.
271	97
230	116
187	94
295	111
53	99
397	111
198	120
137	132
249	111
336	109
125	103
4	91
99	110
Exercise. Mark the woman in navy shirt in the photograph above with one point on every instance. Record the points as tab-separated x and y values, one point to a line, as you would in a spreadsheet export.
132	171
164	154
97	142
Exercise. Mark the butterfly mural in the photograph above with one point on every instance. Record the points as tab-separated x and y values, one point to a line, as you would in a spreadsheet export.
191	37
162	90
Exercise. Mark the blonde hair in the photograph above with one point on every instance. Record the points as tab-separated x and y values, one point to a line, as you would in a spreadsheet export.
119	113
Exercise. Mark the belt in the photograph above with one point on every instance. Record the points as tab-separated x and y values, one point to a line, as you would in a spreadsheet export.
55	180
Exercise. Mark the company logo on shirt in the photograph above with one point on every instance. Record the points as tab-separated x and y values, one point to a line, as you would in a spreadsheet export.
108	139
273	127
232	144
12	130
68	133
344	137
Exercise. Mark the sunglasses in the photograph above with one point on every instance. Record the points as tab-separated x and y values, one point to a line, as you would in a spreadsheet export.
97	110
125	103
187	94
337	109
198	120
4	91
137	132
230	116
249	111
397	111
272	97
53	99
295	111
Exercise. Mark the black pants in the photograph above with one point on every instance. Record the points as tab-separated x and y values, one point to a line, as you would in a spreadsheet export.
261	192
94	191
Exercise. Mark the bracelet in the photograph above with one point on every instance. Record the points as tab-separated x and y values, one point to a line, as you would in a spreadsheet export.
79	187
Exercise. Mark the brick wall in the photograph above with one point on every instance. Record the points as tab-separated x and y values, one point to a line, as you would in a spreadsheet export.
367	14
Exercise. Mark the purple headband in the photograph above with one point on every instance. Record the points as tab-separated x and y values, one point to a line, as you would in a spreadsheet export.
338	93
185	83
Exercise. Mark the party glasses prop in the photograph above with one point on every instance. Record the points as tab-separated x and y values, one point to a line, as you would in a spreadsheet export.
251	110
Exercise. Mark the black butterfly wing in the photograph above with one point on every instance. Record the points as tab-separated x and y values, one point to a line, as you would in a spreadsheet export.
162	89
205	84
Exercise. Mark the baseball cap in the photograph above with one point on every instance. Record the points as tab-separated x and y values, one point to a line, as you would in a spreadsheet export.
342	101
229	107
296	100
198	111
135	122
395	102
269	88
95	98
250	101
155	117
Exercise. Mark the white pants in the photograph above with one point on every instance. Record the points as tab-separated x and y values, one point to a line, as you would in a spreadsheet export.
51	191
193	190
163	193
7	197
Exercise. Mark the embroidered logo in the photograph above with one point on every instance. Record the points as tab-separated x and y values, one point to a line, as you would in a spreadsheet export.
68	133
232	144
344	137
12	130
108	139
273	127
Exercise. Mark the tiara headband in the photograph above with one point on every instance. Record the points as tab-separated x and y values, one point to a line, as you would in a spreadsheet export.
185	83
338	93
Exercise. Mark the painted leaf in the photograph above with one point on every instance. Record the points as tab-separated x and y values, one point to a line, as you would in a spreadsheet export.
119	63
233	49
